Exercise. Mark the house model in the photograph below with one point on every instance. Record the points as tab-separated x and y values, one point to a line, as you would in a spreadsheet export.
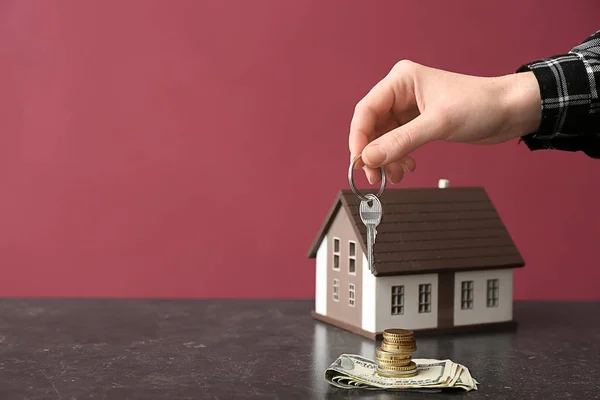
444	262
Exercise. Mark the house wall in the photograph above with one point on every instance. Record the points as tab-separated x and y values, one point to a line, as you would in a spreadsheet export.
411	319
445	299
480	313
321	279
342	228
369	304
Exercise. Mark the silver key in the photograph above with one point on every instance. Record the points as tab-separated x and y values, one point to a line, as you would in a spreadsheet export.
371	214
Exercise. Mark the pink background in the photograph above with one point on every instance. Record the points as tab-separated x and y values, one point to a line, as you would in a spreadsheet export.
192	148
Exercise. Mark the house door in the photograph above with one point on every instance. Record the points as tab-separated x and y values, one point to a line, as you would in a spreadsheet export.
445	299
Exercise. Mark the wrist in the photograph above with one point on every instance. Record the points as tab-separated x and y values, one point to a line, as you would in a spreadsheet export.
521	102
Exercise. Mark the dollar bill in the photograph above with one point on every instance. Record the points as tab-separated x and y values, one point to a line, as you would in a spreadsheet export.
352	371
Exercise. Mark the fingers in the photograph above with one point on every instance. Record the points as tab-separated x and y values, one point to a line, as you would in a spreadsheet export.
394	171
400	142
391	102
367	114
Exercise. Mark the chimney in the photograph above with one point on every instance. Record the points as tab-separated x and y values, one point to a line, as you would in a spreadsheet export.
443	183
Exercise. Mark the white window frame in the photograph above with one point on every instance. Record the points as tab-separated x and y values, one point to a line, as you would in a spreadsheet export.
424	298
493	289
336	254
466	295
351	295
336	290
397	300
351	257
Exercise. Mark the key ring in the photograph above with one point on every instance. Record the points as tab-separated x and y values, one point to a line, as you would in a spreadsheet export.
351	180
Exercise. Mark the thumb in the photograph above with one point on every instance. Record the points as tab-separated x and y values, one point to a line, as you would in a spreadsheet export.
399	142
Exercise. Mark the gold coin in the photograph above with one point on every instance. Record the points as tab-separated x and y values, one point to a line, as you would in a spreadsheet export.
397	375
398	337
398	348
382	353
402	344
393	368
398	340
408	367
397	333
389	360
388	338
395	363
400	357
401	350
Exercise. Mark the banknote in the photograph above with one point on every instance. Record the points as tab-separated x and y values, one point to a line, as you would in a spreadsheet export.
351	371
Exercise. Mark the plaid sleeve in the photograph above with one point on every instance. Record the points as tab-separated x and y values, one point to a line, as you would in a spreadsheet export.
569	85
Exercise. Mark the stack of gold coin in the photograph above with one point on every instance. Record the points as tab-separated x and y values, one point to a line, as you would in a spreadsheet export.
394	356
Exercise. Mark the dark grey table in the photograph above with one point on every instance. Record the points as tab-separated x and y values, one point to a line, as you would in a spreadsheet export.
259	349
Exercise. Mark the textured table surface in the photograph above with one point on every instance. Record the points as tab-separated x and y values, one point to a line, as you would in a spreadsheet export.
263	349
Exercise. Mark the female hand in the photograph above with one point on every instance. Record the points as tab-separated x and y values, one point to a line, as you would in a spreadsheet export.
415	104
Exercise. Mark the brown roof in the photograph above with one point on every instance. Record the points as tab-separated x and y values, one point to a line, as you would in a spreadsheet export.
426	230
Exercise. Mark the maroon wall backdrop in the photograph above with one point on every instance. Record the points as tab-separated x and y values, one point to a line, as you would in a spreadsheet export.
192	148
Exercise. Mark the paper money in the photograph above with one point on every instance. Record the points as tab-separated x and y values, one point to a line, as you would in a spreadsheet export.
352	371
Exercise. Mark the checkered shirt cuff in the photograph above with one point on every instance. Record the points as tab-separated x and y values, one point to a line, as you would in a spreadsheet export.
565	93
569	85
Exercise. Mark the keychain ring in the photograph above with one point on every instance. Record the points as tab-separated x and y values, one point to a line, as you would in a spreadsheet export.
355	190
